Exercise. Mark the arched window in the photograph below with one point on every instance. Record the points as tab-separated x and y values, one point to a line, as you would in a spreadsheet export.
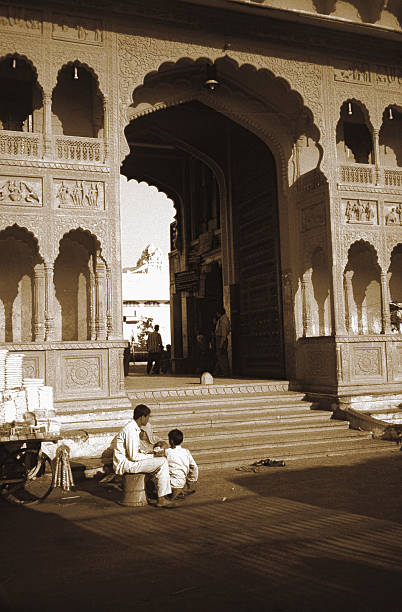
19	255
321	309
395	288
362	290
74	272
390	138
77	108
20	96
354	141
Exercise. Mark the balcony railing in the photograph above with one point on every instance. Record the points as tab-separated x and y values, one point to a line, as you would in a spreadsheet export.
78	149
357	174
392	178
20	144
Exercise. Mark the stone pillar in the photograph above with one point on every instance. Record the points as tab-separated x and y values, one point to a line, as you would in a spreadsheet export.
47	126
385	312
100	301
49	291
306	294
350	303
92	300
109	317
376	149
105	128
298	147
39	303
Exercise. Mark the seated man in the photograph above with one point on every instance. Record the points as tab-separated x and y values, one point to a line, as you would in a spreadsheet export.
128	458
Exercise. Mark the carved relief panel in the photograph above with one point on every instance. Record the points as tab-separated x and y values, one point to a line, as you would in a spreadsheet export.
20	19
393	213
21	191
362	73
360	211
77	29
79	194
367	362
83	373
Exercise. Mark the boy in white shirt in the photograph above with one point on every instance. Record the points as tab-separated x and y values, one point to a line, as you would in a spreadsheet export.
183	470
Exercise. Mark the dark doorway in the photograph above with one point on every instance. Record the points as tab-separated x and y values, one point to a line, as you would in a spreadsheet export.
258	342
166	150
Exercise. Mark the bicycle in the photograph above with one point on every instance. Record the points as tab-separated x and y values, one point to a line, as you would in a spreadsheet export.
26	475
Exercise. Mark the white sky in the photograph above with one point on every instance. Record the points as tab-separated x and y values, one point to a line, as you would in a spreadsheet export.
145	215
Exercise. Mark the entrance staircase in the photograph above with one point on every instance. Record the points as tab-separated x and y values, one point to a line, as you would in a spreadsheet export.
225	424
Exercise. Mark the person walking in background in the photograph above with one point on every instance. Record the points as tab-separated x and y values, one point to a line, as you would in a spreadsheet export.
154	348
126	359
222	331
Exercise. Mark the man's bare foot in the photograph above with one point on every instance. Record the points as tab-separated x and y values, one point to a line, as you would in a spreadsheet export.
163	502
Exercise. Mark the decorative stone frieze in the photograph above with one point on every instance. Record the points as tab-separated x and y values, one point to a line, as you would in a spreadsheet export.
84	30
366	362
79	194
360	211
393	213
21	191
19	19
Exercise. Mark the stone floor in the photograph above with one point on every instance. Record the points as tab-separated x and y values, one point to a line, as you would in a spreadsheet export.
311	536
139	379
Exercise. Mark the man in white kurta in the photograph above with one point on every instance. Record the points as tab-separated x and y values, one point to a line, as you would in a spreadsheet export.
128	458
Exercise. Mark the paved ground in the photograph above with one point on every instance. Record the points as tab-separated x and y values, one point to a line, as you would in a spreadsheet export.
139	379
319	535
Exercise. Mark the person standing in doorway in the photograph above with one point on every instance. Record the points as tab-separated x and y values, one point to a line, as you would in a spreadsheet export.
222	331
154	348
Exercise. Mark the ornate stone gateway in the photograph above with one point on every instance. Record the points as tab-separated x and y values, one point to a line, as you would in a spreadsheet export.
278	140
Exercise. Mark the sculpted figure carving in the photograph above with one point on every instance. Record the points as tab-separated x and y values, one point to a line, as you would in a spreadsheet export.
392	217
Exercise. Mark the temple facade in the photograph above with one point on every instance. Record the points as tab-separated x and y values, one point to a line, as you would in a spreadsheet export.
275	127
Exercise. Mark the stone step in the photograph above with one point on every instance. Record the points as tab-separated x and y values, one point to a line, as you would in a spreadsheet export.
201	418
203	431
288	452
282	435
99	439
182	404
195	389
88	467
192	408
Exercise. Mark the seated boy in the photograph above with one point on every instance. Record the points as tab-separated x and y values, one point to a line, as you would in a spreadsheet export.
183	470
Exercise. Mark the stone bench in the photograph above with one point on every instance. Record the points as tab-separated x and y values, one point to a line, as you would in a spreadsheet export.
134	490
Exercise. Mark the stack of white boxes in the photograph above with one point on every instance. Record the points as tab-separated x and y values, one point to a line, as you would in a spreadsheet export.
25	400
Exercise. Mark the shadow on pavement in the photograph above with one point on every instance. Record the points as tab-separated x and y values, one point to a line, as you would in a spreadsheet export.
371	487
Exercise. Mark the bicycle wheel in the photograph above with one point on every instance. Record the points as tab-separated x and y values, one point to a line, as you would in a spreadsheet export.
35	468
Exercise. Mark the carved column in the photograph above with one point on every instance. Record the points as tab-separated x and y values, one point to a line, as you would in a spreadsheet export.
49	291
298	148
350	304
385	312
306	294
109	317
39	303
100	293
92	300
105	127
376	147
47	126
